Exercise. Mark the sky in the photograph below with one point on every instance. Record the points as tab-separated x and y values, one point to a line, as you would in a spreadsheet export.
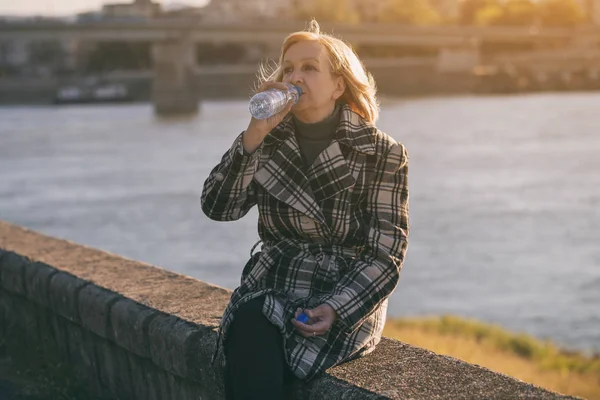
65	7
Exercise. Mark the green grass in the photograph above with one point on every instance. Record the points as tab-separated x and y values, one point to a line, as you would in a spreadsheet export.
546	353
522	356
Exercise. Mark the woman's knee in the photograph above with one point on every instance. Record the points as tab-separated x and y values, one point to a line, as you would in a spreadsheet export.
249	312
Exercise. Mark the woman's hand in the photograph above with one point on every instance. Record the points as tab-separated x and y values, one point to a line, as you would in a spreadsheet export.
319	321
258	129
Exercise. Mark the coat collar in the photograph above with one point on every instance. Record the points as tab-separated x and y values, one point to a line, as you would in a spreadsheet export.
352	131
285	177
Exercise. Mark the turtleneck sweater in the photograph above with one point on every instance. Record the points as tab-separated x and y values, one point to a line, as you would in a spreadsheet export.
316	137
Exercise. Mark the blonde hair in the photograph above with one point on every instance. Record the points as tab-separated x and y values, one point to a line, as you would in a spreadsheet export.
360	93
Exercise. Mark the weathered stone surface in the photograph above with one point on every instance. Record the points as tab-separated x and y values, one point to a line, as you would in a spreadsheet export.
163	335
19	321
37	276
186	297
140	368
125	390
2	254
200	367
82	357
114	370
183	389
94	310
28	320
8	318
64	295
129	324
46	336
155	383
60	343
327	388
12	272
405	371
174	344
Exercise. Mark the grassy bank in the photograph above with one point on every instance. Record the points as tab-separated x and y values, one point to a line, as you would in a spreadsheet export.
521	356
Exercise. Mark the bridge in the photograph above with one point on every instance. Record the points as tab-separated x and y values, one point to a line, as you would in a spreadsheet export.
174	50
157	30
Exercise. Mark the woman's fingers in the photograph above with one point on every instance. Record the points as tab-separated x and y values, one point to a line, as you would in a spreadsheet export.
302	329
319	328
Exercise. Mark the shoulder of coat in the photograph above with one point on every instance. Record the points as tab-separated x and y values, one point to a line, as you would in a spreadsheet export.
392	150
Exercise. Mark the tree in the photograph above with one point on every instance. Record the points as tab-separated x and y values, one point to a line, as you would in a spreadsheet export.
490	14
513	12
560	13
412	12
325	10
469	10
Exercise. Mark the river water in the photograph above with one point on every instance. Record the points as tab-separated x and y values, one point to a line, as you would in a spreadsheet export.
505	199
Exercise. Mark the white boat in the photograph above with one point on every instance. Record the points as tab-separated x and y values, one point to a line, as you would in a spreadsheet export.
92	92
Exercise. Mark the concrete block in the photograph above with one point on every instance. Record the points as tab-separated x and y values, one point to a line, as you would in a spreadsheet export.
37	277
59	340
94	305
12	272
64	295
164	386
174	344
82	357
183	389
46	335
28	320
200	370
8	317
139	373
2	254
114	370
155	391
20	322
125	389
129	321
106	367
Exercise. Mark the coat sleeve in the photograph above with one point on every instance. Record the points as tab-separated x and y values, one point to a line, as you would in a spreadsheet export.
229	192
374	274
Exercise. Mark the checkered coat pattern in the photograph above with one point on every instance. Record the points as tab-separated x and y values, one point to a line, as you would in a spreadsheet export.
334	232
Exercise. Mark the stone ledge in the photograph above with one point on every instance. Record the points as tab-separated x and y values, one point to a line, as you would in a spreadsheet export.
140	332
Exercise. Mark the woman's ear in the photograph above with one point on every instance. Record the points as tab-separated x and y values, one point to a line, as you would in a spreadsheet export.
340	87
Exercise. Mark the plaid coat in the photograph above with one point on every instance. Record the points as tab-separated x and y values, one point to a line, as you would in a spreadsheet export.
334	232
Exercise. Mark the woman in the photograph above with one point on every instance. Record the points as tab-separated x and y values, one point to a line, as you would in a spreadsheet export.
332	197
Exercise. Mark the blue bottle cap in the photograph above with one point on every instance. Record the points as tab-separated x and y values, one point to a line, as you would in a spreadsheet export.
299	90
302	318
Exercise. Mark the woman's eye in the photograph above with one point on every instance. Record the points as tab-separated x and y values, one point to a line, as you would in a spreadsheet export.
287	70
310	67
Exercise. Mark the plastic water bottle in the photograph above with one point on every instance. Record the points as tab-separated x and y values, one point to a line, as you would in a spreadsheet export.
272	101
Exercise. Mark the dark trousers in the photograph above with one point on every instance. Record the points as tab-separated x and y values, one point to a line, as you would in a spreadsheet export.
256	367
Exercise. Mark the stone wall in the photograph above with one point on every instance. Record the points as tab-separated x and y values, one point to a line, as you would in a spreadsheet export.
130	330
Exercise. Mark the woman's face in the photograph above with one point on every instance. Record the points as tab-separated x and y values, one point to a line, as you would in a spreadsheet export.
306	64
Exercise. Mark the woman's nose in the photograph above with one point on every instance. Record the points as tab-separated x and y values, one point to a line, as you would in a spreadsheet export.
295	77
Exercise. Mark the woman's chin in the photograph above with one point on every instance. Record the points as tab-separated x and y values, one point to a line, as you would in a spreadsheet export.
298	108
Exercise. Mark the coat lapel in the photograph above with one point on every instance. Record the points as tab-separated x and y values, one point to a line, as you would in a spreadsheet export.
283	176
330	173
334	170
